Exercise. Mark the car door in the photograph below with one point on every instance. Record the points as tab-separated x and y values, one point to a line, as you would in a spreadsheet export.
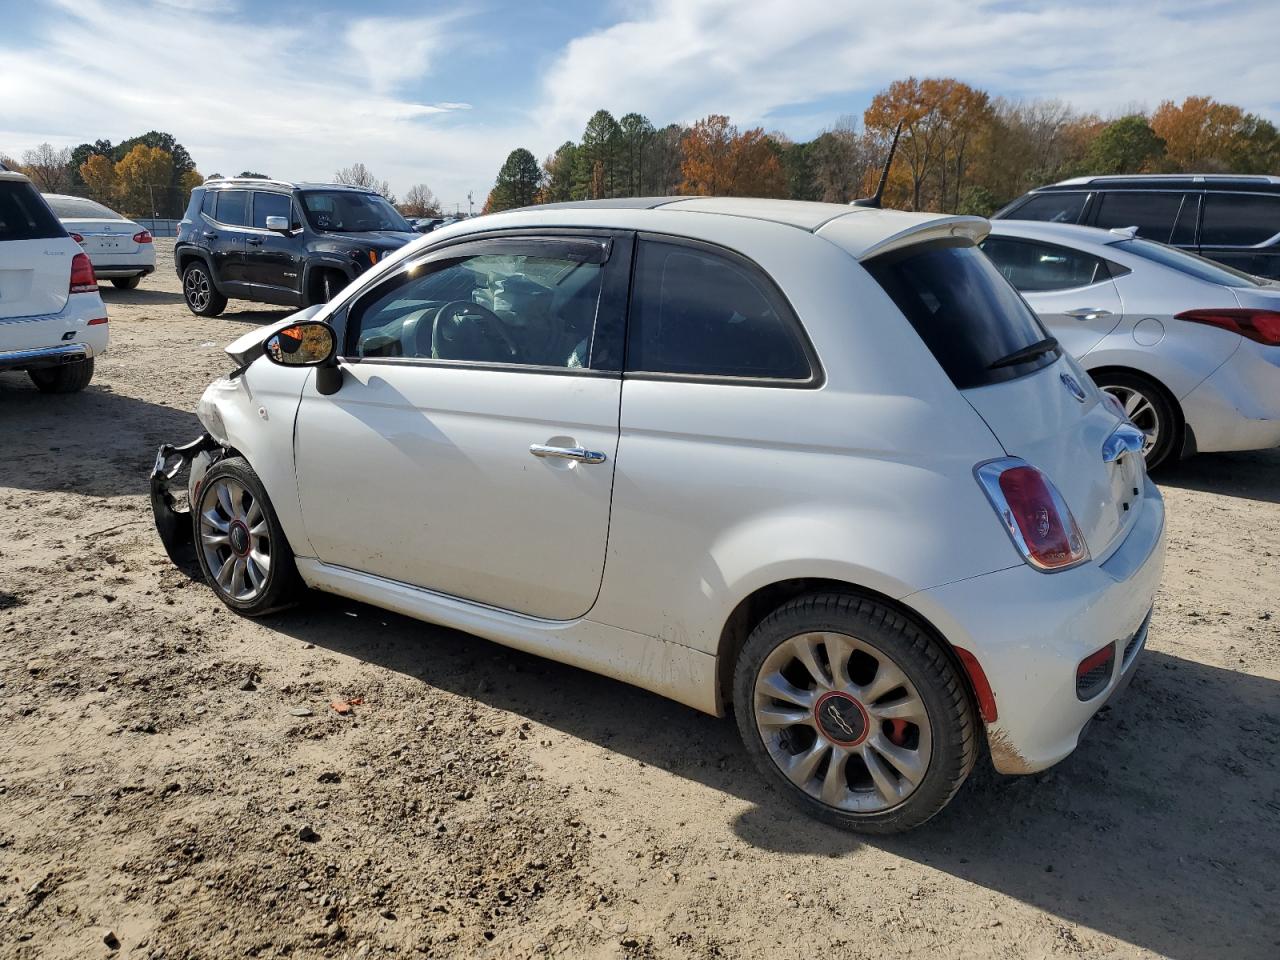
1242	230
470	448
1073	292
273	259
226	236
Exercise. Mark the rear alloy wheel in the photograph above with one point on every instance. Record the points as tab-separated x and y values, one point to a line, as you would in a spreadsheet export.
1150	410
126	283
239	543
68	378
863	720
203	298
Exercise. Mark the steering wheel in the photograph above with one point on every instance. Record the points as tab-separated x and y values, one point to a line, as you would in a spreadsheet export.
446	329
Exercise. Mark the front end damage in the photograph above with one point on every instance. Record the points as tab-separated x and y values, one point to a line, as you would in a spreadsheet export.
172	495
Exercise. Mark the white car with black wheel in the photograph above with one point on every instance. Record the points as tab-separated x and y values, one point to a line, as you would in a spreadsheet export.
52	319
121	250
816	464
1190	347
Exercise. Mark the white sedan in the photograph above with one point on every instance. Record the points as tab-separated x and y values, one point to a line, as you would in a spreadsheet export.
1190	347
121	251
816	463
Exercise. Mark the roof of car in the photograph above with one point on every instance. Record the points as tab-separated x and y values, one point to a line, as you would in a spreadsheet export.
13	175
862	231
1062	232
265	183
1155	181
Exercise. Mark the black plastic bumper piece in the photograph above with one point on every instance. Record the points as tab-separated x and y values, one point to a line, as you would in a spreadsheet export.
173	523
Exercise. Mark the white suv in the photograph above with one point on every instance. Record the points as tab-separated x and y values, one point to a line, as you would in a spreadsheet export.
52	319
816	463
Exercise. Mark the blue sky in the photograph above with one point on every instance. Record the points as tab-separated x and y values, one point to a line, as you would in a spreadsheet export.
438	93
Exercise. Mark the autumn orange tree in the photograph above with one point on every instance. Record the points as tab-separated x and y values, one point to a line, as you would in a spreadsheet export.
719	161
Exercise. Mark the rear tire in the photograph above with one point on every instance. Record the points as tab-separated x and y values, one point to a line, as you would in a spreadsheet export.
1152	410
126	283
203	298
240	544
904	736
68	378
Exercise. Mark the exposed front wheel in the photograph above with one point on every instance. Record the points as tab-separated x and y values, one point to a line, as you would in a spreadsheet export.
859	717
68	378
203	298
1151	411
126	283
241	548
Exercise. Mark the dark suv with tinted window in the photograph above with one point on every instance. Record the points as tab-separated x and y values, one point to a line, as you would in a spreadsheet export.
293	244
1234	219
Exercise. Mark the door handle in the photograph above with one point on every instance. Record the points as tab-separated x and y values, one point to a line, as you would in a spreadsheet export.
580	454
1126	439
1088	313
209	235
255	241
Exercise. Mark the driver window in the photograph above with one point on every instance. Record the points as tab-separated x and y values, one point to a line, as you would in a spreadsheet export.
493	308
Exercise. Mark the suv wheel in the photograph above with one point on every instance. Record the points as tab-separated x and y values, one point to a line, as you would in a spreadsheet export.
201	295
242	550
126	283
68	378
858	716
1150	409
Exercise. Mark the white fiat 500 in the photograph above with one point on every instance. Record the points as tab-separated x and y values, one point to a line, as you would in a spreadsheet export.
818	464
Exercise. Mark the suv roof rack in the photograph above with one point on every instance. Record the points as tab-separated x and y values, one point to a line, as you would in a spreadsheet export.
239	180
1171	177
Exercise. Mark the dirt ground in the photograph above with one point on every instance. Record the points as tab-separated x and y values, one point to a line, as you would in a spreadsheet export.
174	782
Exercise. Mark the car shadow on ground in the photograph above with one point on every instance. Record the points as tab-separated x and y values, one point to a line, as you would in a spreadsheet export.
1178	780
1254	475
53	442
140	296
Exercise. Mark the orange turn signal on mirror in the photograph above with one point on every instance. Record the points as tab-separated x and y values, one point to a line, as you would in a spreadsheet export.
373	256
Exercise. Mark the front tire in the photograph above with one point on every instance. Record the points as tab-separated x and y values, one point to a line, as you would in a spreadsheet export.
68	378
126	283
241	547
1151	410
203	298
860	718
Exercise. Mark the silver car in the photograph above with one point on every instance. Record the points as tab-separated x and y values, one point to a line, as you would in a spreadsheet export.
1189	347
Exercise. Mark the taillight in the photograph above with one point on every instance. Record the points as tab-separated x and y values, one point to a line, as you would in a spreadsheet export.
1260	325
1034	514
1094	672
142	236
82	278
77	238
1114	405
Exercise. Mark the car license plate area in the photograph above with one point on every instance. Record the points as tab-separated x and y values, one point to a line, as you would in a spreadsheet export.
1126	486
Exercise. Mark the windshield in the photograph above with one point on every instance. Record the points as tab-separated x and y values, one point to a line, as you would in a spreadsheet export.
348	211
1193	266
74	208
976	325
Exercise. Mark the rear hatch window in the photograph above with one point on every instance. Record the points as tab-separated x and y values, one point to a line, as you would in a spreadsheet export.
967	314
24	215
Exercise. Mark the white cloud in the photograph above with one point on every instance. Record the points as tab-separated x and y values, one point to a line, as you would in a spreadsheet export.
295	100
682	59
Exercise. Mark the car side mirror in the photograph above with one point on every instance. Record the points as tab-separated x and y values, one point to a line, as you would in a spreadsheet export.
311	343
278	224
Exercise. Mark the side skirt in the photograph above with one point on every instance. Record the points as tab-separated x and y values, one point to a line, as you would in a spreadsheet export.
680	673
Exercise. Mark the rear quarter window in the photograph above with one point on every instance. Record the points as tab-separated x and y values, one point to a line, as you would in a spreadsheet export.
24	215
967	314
1239	219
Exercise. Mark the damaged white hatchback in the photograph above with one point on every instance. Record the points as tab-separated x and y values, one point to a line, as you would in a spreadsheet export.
817	464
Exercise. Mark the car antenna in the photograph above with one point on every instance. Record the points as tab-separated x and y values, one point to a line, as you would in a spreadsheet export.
874	199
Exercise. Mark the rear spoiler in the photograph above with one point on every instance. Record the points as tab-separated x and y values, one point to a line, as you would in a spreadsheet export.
867	233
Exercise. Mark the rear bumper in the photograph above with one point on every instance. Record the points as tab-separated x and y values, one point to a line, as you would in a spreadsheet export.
110	270
45	357
1030	630
1238	406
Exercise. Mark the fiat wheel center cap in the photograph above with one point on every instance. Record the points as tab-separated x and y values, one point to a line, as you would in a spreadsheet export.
841	718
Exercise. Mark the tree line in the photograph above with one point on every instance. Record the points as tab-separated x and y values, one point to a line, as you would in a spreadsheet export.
144	176
961	151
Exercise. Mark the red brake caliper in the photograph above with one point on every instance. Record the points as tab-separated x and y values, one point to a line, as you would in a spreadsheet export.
898	731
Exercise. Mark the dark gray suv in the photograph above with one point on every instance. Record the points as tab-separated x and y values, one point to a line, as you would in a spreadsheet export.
292	244
1234	219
